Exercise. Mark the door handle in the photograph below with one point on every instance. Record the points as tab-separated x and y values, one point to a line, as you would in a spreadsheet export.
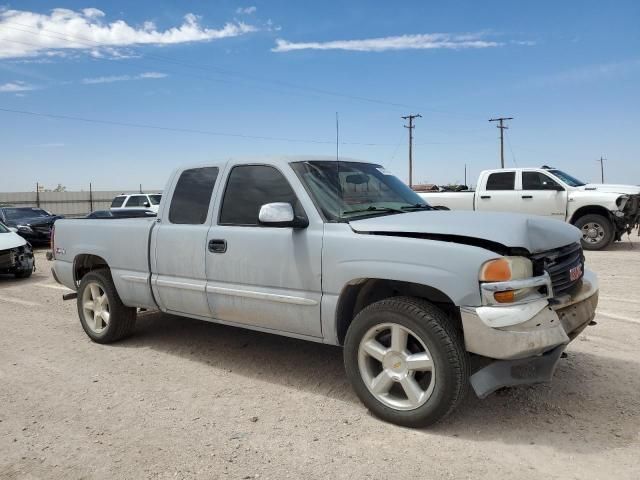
484	197
527	196
217	246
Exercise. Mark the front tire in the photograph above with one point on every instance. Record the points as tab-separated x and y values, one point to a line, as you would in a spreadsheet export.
597	231
23	273
103	316
406	361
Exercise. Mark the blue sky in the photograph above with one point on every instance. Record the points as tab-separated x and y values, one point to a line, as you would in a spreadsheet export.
569	72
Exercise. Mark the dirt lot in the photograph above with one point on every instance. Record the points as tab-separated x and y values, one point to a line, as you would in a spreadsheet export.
186	399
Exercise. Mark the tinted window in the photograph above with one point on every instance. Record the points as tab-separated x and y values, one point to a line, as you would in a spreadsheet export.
501	181
24	212
251	186
537	181
117	202
155	199
192	195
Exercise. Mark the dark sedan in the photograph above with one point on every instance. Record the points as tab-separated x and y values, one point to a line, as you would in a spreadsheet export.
33	224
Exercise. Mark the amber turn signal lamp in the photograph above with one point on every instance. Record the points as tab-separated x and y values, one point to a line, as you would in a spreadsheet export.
505	297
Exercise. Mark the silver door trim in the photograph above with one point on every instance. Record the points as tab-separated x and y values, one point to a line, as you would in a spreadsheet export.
262	296
135	279
183	285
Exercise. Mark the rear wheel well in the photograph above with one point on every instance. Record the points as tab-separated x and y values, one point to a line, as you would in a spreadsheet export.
85	263
590	210
363	292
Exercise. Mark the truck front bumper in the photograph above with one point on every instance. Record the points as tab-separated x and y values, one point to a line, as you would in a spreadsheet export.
528	351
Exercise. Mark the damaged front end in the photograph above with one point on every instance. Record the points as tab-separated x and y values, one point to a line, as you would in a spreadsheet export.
627	217
18	260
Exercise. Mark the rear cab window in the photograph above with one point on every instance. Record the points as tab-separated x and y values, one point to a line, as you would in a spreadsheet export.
192	196
117	202
501	181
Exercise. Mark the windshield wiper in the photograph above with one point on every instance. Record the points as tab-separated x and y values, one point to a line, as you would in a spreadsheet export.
419	206
373	208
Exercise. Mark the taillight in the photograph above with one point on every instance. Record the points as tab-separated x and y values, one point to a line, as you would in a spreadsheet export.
52	241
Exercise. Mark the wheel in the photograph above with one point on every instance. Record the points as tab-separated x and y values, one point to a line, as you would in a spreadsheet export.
23	273
597	231
406	361
103	316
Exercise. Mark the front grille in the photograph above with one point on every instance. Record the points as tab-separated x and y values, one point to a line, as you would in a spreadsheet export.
559	263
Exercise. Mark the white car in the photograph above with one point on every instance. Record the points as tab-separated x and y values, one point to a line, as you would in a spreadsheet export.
16	254
150	201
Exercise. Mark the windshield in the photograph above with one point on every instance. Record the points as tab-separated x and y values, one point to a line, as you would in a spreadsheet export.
3	228
568	179
19	213
155	199
348	190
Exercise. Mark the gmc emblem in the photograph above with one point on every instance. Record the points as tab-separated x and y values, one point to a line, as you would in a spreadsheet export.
575	273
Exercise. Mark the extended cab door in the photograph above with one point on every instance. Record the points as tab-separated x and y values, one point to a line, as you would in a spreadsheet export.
542	195
262	276
498	194
179	243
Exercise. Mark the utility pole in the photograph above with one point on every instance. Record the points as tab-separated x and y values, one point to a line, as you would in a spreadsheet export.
465	174
501	126
601	168
410	117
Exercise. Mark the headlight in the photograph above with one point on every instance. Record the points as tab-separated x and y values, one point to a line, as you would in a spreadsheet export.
506	268
25	228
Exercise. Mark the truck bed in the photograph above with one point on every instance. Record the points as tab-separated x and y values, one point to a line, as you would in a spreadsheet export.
451	200
122	243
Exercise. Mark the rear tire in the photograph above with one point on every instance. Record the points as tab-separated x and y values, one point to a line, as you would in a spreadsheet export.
597	231
418	384
103	316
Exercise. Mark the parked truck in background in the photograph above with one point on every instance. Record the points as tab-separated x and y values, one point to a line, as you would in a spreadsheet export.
602	212
346	254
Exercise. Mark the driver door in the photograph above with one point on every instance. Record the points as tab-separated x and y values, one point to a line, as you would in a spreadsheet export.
541	195
261	276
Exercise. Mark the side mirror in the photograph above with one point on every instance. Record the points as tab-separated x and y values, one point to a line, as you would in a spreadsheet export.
146	204
280	214
556	187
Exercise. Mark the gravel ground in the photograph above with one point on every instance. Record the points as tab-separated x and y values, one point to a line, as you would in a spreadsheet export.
189	399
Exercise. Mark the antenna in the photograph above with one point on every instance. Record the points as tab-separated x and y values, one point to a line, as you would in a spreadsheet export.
337	137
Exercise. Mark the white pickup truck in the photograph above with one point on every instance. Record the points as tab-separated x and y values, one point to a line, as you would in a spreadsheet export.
602	212
346	254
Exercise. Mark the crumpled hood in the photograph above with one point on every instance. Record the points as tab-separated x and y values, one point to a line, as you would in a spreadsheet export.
611	188
534	233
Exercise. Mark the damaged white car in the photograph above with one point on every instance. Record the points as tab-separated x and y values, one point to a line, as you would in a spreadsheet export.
16	254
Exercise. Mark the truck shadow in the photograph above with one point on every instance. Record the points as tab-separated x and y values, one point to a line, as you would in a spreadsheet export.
592	404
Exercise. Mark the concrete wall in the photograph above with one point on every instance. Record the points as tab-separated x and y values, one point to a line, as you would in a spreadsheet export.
71	204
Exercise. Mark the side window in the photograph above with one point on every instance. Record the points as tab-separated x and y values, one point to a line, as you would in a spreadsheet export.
537	181
136	201
117	202
251	186
192	196
501	181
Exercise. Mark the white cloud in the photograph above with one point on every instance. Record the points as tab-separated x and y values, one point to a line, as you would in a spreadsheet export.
15	87
28	34
402	42
604	71
123	78
246	10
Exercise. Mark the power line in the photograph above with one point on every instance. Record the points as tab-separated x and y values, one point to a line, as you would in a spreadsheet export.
502	127
411	117
513	155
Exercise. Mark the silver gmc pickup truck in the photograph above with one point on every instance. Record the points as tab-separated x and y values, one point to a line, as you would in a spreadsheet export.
346	254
